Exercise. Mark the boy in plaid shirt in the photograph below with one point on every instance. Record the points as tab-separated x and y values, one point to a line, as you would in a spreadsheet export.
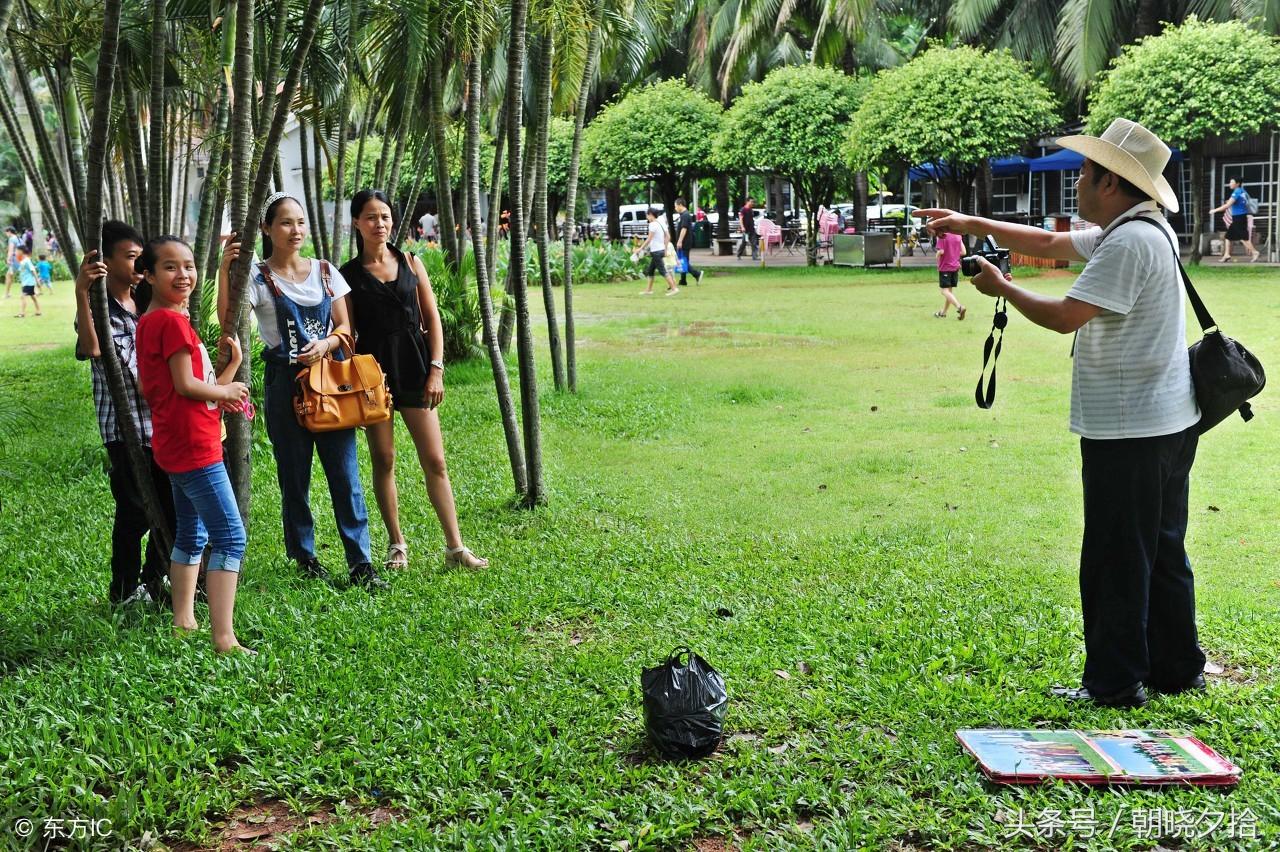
132	581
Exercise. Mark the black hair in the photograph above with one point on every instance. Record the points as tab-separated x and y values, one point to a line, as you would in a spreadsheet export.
146	262
1236	179
42	255
680	201
115	232
654	212
358	202
1126	186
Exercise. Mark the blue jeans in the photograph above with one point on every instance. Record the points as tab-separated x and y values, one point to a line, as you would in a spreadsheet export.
293	446
207	513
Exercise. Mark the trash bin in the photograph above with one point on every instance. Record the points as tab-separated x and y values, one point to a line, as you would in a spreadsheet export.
702	235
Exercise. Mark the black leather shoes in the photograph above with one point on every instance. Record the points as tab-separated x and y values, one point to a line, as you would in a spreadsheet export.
313	569
365	576
1134	696
1196	684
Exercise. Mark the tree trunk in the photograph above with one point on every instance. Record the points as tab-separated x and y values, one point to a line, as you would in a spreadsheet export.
133	127
73	124
184	184
304	158
92	231
571	192
380	171
723	206
498	366
340	175
986	182
440	150
319	224
541	214
1196	151
278	21
155	153
495	194
860	196
612	224
531	419
59	192
359	173
209	218
393	180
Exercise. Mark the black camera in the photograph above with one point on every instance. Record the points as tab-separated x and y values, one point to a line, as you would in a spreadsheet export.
992	252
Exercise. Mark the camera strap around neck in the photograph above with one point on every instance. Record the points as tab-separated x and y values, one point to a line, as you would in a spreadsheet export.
991	354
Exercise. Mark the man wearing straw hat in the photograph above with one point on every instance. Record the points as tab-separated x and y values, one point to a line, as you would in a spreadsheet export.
1133	406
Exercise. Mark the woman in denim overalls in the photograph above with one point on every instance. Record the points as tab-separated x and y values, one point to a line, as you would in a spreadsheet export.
301	309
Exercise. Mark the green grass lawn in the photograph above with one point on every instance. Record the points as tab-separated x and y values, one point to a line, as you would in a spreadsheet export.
781	469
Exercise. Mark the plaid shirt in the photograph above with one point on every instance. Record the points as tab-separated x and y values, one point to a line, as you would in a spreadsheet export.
124	328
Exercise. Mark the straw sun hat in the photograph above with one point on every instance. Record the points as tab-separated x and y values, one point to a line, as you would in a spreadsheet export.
1133	152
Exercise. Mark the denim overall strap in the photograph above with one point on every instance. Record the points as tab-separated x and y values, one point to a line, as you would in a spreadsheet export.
298	324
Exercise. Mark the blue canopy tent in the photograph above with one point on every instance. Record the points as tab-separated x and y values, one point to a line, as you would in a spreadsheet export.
1000	167
1065	161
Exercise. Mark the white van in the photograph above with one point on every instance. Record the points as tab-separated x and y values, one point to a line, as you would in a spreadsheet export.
633	219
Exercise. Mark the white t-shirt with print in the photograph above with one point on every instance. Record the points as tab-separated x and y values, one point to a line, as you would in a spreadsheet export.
658	231
1131	377
305	294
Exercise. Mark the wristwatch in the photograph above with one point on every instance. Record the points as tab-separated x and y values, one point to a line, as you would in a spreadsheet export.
439	365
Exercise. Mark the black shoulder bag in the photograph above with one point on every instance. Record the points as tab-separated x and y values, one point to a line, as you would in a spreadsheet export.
1225	374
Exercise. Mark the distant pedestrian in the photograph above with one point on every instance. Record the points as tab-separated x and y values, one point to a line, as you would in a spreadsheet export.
27	277
13	242
430	227
747	222
45	268
1238	220
684	241
950	249
656	243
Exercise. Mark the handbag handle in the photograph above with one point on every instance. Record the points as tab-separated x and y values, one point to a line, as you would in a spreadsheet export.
1202	313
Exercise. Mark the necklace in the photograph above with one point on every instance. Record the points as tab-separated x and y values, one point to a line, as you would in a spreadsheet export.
288	277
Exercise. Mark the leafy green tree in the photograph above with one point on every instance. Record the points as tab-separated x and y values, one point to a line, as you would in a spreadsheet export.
933	110
1190	83
662	132
792	124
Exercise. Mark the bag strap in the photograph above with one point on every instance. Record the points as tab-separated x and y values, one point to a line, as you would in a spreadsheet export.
1202	313
269	278
324	277
991	352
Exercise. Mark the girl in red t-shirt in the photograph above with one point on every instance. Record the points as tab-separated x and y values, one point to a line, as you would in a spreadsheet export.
187	399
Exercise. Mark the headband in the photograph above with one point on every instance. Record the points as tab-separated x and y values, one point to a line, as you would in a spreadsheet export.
272	199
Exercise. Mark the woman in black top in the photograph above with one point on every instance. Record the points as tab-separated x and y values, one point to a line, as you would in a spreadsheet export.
396	321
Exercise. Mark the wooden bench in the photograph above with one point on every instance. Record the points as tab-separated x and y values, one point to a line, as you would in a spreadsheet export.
725	246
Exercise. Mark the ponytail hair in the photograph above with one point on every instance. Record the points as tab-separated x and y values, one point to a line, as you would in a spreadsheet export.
362	198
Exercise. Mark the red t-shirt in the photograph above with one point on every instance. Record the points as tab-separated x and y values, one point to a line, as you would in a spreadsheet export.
186	433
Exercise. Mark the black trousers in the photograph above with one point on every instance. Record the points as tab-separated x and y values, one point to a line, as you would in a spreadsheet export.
127	566
1136	586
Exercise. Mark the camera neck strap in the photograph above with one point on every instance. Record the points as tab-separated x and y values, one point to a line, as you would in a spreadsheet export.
991	354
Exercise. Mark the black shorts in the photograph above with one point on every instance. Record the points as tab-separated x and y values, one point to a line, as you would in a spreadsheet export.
948	279
657	262
28	289
1239	228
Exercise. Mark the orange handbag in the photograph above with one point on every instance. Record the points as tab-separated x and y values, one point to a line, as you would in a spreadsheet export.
332	395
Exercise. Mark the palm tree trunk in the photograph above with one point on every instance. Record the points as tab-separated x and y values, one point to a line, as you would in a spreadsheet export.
133	128
393	180
320	224
92	231
497	365
1197	200
74	125
530	416
495	194
571	193
270	76
380	171
184	183
304	156
340	173
56	185
542	216
359	173
155	158
209	218
440	150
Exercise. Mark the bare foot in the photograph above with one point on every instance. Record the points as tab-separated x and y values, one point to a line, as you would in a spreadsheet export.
236	648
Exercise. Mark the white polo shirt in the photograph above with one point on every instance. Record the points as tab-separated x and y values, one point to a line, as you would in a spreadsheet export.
1130	376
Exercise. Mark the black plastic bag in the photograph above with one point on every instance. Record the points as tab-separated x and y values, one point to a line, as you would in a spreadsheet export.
684	706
